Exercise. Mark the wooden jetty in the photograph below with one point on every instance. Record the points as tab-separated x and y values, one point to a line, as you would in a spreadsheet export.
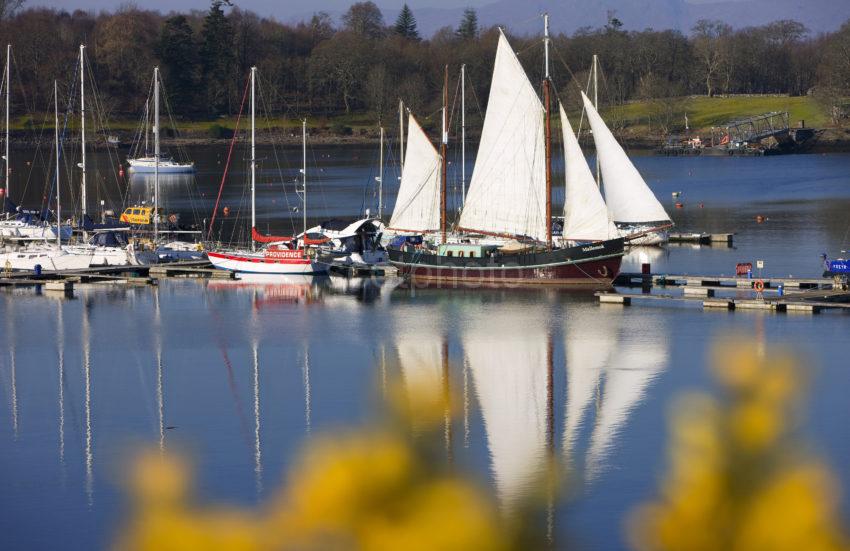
702	238
114	275
808	295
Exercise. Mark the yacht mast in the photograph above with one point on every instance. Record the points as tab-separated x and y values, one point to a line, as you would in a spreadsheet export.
596	106
83	136
443	147
463	134
8	92
304	178
58	188
156	153
547	107
401	134
253	156
381	178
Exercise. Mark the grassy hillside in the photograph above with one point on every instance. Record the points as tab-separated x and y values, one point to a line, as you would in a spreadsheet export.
705	112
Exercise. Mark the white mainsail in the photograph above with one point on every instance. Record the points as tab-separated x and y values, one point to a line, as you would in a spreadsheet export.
586	215
590	340
641	357
628	197
507	193
508	360
417	206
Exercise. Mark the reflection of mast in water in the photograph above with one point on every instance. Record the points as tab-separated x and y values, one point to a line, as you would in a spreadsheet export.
639	359
306	374
160	395
258	454
60	350
590	340
11	336
465	403
89	457
447	412
422	360
507	357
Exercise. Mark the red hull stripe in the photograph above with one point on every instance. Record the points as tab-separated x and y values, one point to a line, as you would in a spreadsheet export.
258	260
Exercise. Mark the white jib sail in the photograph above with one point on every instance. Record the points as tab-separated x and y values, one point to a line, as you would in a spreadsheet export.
417	206
586	215
628	197
507	192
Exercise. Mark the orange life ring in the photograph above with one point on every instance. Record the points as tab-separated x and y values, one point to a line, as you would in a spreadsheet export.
758	285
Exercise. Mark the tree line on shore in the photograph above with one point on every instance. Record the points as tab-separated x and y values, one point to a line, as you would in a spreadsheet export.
364	64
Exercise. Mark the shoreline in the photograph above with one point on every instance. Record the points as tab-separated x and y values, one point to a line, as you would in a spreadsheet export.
831	140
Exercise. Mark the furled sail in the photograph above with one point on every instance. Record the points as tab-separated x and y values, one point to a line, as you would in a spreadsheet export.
417	206
508	360
585	212
507	193
628	197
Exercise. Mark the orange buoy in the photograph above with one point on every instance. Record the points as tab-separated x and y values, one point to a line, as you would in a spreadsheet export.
758	285
679	205
226	211
760	218
120	171
701	205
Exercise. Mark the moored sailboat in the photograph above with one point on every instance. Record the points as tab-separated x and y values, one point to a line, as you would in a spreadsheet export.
505	229
278	255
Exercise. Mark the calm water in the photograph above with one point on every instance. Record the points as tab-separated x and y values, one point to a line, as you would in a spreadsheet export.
242	374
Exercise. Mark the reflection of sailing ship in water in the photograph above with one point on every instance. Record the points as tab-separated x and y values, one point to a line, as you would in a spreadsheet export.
508	354
638	358
590	340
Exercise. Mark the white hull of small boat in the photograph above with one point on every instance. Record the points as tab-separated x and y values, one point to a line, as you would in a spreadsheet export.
113	256
50	259
270	262
180	250
647	237
166	166
21	230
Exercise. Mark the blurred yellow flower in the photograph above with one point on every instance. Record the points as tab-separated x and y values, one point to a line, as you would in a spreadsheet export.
739	479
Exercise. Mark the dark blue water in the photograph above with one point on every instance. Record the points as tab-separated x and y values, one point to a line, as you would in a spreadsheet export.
242	374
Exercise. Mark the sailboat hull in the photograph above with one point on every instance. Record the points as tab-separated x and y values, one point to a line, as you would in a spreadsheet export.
591	265
260	263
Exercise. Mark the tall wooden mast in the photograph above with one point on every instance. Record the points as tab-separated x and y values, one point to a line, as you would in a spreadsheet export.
443	147
547	107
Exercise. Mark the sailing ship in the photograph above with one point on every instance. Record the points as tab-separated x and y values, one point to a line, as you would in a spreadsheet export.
278	255
505	230
632	205
20	225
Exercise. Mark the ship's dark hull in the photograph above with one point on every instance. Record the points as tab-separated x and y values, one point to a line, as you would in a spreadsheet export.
592	265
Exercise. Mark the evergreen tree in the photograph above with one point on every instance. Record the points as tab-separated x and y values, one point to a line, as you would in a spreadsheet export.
178	56
468	29
405	25
217	58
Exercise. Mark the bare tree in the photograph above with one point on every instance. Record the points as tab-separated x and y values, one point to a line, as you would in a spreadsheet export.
9	7
709	39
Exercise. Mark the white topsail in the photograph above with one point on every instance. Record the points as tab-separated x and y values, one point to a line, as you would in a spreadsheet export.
629	198
507	192
417	206
585	212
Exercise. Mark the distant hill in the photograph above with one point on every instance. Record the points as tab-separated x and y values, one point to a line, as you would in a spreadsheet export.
570	15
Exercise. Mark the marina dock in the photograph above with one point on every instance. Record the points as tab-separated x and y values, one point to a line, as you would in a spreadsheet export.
807	295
